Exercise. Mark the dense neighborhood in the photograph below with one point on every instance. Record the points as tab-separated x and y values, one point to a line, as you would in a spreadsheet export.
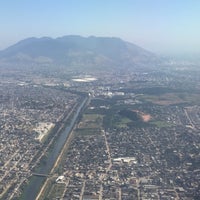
137	137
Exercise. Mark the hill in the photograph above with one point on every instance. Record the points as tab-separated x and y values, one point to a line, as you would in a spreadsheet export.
79	52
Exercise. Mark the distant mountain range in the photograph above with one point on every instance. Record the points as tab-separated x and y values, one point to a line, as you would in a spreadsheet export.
79	52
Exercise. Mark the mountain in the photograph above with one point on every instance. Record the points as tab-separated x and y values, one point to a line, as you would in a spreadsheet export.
76	51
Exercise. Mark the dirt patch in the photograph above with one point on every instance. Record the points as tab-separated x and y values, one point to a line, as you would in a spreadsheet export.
146	117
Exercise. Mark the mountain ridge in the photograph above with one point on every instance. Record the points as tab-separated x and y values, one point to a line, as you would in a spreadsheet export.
77	51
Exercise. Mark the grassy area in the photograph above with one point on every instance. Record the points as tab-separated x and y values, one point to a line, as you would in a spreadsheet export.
161	124
122	123
191	98
93	121
171	98
91	117
48	186
87	131
56	190
164	99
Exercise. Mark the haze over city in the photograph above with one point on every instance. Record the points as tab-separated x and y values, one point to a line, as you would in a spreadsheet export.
100	99
163	27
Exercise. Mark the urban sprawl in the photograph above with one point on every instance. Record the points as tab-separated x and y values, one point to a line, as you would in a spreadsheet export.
137	137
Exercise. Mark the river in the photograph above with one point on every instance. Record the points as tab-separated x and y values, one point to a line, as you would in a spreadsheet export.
33	188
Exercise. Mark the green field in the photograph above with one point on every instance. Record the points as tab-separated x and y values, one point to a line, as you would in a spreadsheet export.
87	131
161	124
91	121
171	98
122	122
56	190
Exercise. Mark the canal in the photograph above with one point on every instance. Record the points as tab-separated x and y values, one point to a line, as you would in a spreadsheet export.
32	189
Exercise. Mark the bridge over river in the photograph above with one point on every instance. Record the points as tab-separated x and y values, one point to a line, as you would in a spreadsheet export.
38	178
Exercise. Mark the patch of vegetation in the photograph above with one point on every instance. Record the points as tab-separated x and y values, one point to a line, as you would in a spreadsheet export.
171	98
132	115
139	124
100	102
117	116
161	124
123	122
87	131
159	90
48	187
56	191
91	117
91	121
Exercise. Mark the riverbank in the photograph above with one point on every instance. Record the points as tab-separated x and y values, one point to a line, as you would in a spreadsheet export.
44	188
32	190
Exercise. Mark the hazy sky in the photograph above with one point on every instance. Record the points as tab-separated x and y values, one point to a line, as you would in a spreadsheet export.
162	26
